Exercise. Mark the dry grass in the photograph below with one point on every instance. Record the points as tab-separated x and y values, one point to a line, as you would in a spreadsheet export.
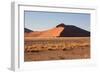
56	48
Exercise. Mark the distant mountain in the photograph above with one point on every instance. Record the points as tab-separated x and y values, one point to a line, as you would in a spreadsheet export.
60	30
72	31
27	30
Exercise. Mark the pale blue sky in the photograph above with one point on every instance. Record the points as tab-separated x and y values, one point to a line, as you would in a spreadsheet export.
39	21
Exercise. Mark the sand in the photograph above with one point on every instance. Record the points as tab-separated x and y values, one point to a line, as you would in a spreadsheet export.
76	48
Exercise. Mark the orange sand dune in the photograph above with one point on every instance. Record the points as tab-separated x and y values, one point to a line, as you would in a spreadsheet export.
48	33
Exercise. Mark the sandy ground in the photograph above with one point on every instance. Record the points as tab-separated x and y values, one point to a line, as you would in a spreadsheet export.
79	49
74	53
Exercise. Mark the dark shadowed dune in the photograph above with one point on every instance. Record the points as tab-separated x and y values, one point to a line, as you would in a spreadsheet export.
72	31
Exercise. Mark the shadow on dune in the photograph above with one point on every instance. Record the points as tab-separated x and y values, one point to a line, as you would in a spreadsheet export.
72	31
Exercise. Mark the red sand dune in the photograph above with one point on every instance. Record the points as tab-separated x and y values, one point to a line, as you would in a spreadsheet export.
60	30
48	33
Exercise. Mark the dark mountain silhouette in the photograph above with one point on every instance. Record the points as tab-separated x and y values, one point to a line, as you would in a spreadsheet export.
72	31
27	30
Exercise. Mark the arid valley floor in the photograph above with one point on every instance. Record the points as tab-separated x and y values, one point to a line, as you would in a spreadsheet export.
56	48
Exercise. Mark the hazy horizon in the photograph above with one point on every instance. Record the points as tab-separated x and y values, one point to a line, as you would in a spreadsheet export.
40	21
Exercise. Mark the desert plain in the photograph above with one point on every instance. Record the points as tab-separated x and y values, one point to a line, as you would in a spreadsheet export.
56	48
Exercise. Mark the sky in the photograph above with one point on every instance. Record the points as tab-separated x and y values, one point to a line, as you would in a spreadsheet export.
40	21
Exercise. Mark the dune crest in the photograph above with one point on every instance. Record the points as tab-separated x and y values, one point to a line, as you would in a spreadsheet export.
52	33
48	33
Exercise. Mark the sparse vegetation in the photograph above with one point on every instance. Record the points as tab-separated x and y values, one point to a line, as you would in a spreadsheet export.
58	47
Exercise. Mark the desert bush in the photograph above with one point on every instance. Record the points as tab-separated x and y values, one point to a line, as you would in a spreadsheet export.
56	43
